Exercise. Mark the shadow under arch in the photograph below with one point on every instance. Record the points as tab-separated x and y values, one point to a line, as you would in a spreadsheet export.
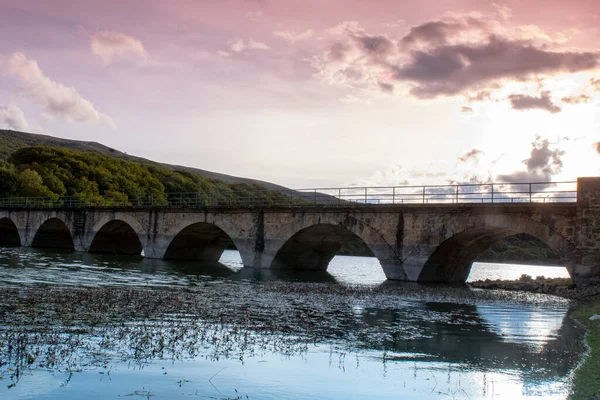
9	234
116	237
53	234
452	260
200	241
313	247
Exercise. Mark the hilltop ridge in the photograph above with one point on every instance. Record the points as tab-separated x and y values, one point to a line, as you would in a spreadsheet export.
11	141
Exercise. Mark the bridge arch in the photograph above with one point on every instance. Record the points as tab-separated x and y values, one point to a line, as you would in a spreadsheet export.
462	241
118	237
9	233
199	241
53	234
313	247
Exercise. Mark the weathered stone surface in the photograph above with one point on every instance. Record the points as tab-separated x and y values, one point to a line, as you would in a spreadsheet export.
416	242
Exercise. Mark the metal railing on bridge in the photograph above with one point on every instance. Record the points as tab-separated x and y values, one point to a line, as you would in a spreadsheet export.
535	192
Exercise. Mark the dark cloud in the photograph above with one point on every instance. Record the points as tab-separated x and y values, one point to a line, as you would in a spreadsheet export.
386	87
376	47
542	164
448	70
471	155
338	51
480	96
438	32
466	109
580	98
524	102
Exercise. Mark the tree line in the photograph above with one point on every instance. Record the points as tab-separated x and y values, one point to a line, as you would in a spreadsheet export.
97	180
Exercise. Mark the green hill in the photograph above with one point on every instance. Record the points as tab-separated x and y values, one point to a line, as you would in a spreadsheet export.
11	141
98	179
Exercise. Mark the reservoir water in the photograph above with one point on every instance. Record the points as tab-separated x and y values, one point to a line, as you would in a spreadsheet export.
73	325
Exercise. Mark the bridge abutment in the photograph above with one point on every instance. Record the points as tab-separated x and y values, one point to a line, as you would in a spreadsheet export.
586	269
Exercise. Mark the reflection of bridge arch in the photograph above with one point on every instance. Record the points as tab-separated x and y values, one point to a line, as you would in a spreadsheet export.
53	234
9	234
463	239
118	237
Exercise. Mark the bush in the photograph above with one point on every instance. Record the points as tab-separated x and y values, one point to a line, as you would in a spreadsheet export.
525	278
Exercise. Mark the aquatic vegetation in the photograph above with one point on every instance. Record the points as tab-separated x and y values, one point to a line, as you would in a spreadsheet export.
586	383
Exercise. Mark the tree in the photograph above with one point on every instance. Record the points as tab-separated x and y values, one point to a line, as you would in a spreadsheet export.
8	180
31	185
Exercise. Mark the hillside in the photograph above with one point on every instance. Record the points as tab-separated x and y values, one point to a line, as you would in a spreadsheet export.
94	179
11	141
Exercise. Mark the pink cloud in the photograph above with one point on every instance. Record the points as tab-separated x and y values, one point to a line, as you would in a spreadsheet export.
111	46
56	100
12	117
240	46
293	37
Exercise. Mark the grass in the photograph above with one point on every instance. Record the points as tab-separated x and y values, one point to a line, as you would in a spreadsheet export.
586	382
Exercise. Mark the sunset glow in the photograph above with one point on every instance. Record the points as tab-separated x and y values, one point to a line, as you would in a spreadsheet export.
314	93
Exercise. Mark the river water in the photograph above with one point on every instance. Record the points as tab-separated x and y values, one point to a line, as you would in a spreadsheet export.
75	325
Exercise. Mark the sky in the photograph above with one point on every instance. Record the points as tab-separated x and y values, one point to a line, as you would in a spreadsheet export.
315	93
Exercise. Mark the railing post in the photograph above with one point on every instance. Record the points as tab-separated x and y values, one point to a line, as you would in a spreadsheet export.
530	192
394	195
424	194
456	194
339	195
315	197
492	192
365	195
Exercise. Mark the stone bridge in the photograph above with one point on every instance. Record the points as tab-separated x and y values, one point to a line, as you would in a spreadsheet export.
413	242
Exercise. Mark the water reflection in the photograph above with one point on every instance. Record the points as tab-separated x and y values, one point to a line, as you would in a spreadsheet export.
142	326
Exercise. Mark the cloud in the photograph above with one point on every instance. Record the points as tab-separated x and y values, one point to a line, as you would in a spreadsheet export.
474	154
386	87
479	96
292	36
595	84
240	46
597	147
377	49
503	10
543	163
56	100
525	102
112	46
576	99
448	70
469	55
466	109
438	33
12	117
356	59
